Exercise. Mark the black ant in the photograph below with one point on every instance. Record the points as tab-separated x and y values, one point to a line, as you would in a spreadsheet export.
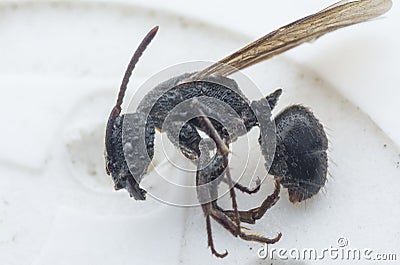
300	154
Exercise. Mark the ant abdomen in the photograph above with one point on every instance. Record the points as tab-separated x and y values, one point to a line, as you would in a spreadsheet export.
300	158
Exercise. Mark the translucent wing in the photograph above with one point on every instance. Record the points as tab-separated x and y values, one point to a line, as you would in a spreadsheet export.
341	14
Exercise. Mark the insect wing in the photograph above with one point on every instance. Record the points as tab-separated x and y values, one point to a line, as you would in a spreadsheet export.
339	15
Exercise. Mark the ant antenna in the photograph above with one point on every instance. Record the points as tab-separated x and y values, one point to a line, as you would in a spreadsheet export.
135	58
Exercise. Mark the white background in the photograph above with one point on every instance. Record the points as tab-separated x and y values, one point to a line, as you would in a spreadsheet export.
59	69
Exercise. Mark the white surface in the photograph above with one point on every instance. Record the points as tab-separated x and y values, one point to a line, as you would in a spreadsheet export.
59	72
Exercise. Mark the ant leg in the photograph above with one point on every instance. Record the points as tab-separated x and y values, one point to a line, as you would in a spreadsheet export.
203	179
211	242
227	222
205	193
242	214
252	215
224	151
245	189
204	196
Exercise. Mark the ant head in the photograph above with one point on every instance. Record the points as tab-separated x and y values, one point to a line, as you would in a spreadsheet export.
116	164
